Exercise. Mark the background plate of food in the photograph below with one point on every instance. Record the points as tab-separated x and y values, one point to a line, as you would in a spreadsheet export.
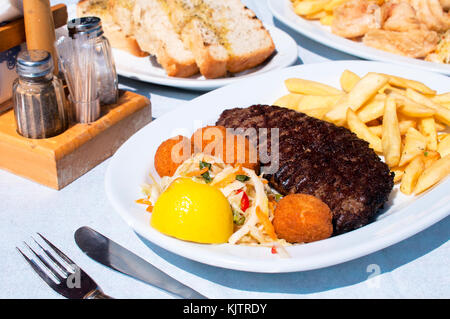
360	154
409	32
181	44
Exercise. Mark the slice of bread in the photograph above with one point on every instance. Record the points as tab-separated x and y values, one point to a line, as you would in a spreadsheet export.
117	37
210	55
156	34
186	36
246	39
223	35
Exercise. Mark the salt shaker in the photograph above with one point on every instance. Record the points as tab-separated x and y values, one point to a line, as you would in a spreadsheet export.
40	107
107	81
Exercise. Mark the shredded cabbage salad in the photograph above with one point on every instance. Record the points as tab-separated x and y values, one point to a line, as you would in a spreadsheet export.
251	199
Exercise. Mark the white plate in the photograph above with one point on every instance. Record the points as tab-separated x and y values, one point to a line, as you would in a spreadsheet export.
283	11
145	69
131	164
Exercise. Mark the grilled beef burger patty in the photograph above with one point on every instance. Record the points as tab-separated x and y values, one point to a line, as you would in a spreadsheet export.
320	159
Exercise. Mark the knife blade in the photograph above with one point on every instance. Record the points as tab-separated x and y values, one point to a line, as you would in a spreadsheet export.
117	257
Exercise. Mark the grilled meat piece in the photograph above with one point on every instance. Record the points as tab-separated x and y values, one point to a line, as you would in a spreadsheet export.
320	159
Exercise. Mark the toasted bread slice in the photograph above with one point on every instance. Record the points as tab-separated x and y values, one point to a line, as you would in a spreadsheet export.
219	31
210	55
247	41
117	37
156	34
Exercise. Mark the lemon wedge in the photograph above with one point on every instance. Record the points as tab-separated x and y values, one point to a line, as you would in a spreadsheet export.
193	211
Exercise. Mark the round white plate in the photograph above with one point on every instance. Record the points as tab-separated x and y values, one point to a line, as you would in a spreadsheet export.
145	69
283	11
403	217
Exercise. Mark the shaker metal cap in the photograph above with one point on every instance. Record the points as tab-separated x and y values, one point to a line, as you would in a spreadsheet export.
89	25
34	63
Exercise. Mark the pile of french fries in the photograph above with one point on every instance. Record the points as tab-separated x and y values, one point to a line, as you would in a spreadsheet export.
321	10
403	120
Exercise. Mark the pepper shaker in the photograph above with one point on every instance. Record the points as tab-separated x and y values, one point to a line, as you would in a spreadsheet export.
107	80
40	107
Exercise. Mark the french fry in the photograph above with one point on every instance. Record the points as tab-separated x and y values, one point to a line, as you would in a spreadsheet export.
289	101
443	99
411	175
309	7
327	19
415	144
318	113
403	125
410	107
362	131
398	173
364	90
442	136
411	84
308	87
440	127
316	15
427	128
372	109
348	80
389	89
391	139
377	130
317	101
331	5
433	174
444	146
429	157
442	113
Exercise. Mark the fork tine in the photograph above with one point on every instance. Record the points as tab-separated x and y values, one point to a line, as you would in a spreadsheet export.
69	261
38	270
53	259
46	264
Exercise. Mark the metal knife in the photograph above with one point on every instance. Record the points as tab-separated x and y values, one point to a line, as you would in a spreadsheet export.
112	255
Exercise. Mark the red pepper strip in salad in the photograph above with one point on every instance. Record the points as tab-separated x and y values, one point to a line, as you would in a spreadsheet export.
245	203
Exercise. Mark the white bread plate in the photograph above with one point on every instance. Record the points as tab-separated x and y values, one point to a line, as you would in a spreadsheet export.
146	69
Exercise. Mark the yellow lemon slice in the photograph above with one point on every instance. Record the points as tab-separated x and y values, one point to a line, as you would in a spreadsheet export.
193	211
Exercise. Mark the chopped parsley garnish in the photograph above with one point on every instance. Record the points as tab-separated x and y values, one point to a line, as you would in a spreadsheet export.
242	178
278	197
425	153
238	218
206	177
202	165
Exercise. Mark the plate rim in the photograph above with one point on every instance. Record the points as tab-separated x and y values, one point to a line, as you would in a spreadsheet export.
360	50
211	84
284	266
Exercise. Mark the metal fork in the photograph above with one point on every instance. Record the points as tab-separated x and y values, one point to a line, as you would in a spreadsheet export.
62	274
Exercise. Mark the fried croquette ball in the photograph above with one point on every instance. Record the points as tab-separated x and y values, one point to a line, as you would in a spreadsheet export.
302	218
171	153
232	149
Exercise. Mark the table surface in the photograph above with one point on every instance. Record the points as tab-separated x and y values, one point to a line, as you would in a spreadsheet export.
414	268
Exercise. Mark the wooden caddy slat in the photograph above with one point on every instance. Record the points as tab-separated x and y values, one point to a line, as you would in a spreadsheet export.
57	161
13	33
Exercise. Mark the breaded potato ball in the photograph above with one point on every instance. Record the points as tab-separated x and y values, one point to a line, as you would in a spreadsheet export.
171	153
302	218
232	149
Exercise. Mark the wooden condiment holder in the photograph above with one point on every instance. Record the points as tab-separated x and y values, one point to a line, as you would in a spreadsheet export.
55	162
